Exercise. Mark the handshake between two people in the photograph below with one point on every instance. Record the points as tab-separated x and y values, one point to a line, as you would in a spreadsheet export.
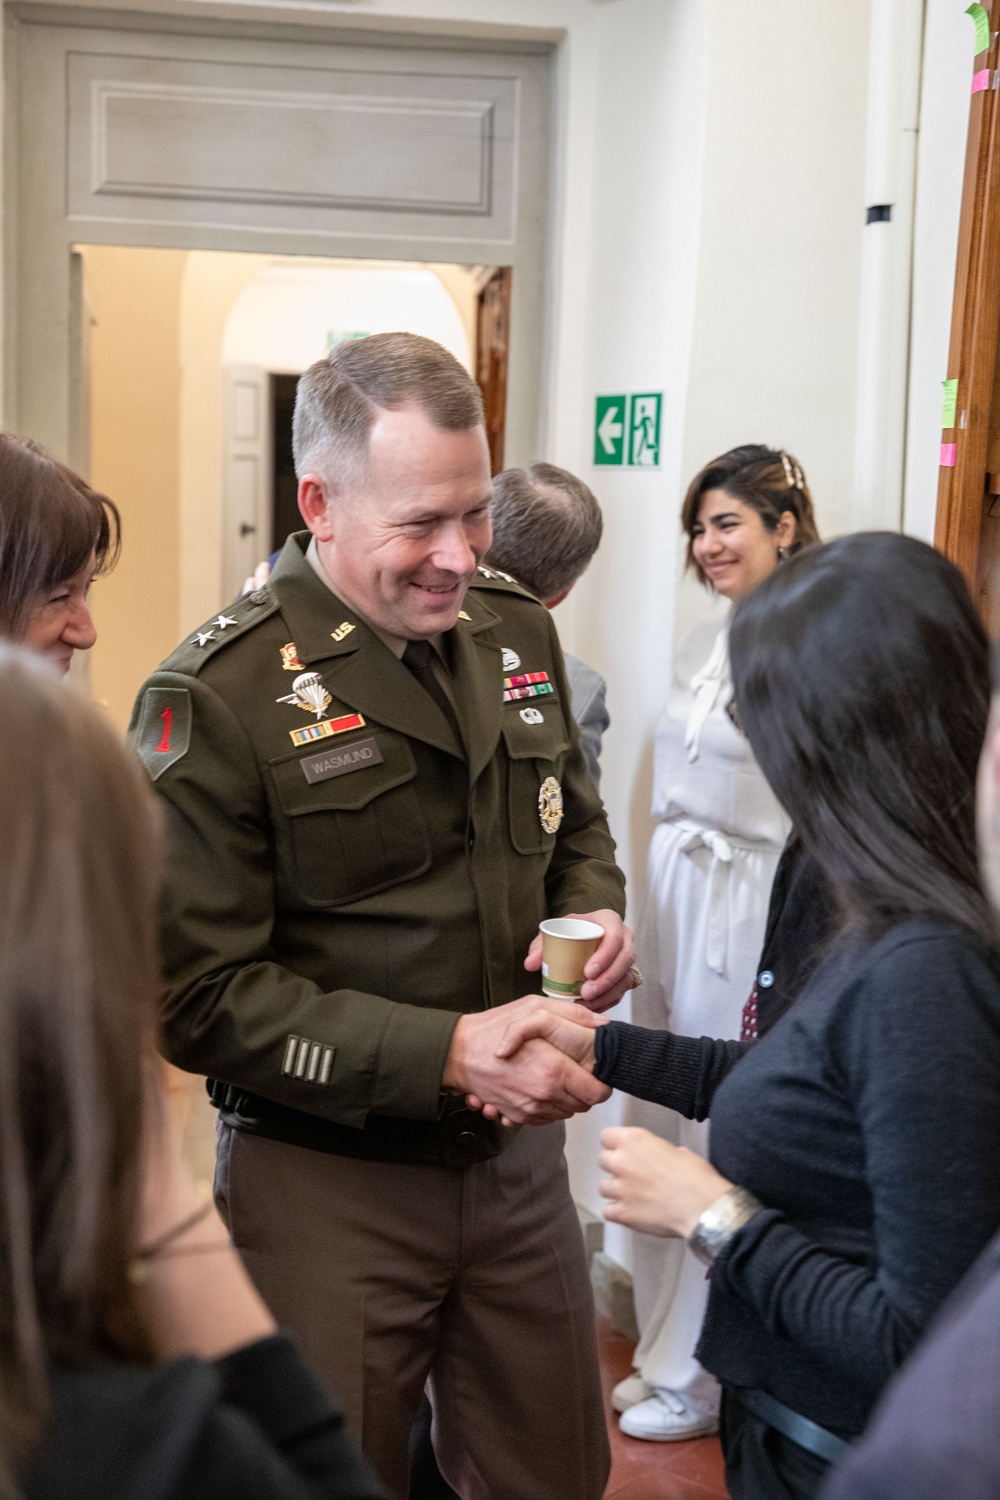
532	1061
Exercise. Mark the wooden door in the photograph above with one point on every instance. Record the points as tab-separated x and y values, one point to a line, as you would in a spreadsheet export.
968	512
492	339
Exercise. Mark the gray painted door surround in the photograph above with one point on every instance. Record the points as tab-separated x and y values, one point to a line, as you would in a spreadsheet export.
159	131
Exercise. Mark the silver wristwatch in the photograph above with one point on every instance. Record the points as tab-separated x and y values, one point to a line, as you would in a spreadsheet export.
720	1222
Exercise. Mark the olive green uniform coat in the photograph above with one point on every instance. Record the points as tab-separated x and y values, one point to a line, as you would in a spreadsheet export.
321	938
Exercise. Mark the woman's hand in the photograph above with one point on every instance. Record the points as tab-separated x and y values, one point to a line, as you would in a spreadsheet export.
654	1186
567	1026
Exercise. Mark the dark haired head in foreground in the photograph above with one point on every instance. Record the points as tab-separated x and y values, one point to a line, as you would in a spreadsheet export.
56	536
77	983
861	676
111	1265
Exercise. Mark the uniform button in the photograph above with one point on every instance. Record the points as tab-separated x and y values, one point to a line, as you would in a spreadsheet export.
466	1138
765	979
259	596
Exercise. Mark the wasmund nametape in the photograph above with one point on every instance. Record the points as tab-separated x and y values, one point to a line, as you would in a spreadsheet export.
326	728
352	757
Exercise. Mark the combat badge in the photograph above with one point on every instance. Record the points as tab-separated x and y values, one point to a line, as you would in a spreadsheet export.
309	693
511	660
532	716
290	657
550	805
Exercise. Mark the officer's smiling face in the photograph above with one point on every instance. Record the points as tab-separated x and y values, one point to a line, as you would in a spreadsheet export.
403	544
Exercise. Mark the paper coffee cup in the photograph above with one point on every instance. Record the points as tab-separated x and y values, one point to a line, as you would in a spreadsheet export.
567	943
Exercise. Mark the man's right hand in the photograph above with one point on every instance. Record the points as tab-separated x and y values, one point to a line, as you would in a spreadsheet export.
537	1085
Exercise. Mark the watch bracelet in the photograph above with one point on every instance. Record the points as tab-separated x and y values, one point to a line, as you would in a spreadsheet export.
719	1223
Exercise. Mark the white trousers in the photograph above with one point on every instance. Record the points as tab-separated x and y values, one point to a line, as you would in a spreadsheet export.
699	942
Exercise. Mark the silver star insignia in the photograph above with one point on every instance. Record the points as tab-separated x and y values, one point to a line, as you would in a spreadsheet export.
204	636
223	621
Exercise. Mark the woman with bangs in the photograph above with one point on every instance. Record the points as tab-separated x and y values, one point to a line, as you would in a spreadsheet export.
56	536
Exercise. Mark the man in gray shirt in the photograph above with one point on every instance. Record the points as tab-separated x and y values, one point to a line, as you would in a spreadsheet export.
546	527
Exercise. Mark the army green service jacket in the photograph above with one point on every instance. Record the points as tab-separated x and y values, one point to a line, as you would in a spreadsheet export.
344	876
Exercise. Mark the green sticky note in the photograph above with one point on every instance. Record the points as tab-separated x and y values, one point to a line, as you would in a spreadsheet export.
950	403
981	17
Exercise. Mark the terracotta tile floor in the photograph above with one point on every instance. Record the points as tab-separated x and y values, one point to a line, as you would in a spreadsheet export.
653	1471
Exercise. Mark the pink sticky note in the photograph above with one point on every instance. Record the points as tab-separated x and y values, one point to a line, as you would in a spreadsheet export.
948	455
981	81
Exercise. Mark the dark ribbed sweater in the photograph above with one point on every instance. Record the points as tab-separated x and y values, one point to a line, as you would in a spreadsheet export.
255	1425
868	1124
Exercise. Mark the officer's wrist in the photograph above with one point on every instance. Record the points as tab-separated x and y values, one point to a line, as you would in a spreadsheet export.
455	1077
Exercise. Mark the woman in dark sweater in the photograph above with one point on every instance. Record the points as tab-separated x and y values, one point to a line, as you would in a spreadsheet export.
138	1360
853	1178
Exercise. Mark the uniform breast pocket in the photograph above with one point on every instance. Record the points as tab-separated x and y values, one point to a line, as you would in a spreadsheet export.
354	832
534	796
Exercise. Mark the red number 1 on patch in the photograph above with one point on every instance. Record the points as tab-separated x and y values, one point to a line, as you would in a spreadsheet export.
167	715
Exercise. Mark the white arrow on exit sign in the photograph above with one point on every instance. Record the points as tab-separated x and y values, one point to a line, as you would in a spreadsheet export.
610	430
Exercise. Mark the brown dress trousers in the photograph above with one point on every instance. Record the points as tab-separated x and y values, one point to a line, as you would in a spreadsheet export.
472	1278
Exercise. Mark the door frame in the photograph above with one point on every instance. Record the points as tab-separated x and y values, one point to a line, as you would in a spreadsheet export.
42	344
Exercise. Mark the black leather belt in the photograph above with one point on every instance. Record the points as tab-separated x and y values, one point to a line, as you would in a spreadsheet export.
461	1137
801	1430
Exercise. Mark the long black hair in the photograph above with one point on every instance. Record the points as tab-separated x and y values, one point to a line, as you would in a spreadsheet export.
862	680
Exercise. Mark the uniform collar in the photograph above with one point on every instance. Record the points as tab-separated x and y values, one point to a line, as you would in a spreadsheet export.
363	671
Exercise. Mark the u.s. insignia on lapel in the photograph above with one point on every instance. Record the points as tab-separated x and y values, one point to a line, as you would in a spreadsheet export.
526	685
550	804
290	658
308	693
342	632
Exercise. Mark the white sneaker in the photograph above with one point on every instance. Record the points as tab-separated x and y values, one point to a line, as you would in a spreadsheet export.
629	1392
665	1417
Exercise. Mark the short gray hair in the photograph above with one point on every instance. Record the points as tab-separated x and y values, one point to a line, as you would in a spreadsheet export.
338	399
547	526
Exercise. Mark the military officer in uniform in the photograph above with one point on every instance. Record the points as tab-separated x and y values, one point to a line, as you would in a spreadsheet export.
374	792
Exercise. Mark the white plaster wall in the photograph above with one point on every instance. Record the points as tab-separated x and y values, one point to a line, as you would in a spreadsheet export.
944	122
724	269
633	324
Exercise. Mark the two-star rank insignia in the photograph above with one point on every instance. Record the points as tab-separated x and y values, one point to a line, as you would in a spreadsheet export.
203	637
290	658
223	620
526	685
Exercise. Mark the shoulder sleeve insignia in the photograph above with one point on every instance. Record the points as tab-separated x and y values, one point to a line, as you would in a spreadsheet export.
163	732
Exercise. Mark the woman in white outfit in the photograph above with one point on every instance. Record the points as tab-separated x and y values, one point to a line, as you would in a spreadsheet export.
719	833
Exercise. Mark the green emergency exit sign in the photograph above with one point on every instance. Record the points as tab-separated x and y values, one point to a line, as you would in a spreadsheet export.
627	430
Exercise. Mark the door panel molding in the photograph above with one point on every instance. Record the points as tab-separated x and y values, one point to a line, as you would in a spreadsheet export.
388	150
